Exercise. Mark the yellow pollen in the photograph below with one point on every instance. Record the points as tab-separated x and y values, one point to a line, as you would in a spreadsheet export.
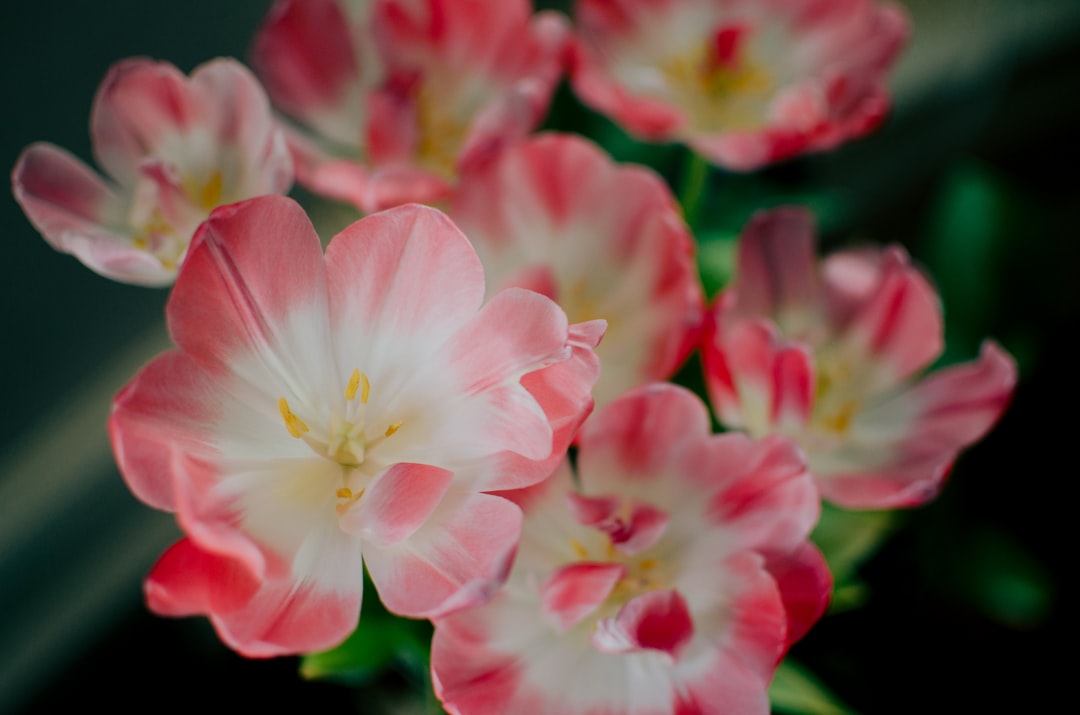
840	421
648	564
344	493
579	549
211	192
294	424
393	428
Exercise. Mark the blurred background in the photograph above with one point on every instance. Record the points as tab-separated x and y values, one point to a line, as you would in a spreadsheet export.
965	608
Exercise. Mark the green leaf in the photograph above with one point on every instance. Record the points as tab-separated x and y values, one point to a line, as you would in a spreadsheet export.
848	538
1005	582
716	260
380	642
795	690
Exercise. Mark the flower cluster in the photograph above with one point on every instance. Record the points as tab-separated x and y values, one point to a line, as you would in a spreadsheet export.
415	400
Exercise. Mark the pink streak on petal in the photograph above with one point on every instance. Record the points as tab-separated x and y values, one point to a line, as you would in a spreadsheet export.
793	388
304	54
576	590
639	435
250	265
397	503
458	559
657	620
404	271
590	511
901	323
769	501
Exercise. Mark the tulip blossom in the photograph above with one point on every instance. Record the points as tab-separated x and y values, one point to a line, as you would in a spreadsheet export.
742	82
322	414
829	354
397	97
554	214
670	579
173	148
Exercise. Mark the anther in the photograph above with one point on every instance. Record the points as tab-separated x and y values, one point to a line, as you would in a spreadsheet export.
294	424
579	550
393	428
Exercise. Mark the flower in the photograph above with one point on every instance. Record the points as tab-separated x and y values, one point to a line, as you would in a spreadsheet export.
743	82
828	354
324	413
672	581
399	96
175	148
555	214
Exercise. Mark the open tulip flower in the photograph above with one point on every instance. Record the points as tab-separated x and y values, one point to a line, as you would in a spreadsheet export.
325	413
399	96
671	577
743	82
174	148
829	354
556	215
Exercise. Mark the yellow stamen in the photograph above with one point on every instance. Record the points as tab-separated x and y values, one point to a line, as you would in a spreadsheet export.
648	564
393	428
579	549
294	424
344	493
353	386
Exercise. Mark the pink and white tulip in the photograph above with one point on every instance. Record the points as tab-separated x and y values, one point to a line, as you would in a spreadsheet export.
173	148
398	97
671	580
830	353
325	413
556	215
742	82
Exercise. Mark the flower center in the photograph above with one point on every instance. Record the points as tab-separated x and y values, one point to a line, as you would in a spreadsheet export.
724	88
345	440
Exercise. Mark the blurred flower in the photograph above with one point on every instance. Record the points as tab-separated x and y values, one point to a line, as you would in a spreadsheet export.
399	96
556	215
320	409
175	147
828	354
672	581
743	82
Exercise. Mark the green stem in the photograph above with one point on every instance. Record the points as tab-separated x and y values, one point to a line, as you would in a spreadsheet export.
692	188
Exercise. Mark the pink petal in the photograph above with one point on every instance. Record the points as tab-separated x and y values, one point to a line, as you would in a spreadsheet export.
901	323
78	213
767	499
401	272
456	560
639	436
257	619
167	408
917	434
397	503
641	528
777	270
805	586
305	56
576	590
139	104
245	124
657	620
250	266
